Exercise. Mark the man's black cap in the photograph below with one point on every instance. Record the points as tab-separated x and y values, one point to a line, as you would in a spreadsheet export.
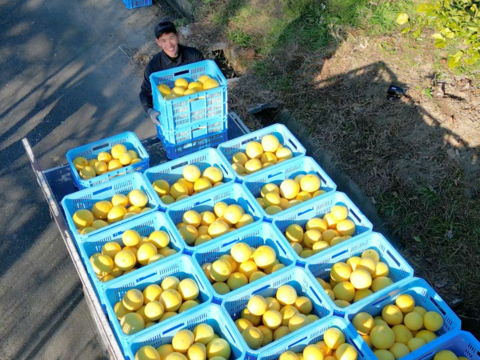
164	27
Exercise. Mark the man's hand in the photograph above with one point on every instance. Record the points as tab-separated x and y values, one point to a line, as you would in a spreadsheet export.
154	114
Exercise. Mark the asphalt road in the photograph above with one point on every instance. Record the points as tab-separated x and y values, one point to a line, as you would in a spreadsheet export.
64	82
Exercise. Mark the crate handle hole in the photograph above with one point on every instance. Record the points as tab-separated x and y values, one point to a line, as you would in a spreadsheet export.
355	215
339	254
201	202
379	301
437	306
100	147
304	212
296	342
261	289
173	328
393	258
179	165
102	190
182	73
281	247
229	243
273	175
146	277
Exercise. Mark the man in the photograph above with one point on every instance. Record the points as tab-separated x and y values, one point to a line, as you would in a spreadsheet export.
172	55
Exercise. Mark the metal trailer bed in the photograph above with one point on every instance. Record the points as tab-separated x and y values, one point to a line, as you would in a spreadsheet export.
56	183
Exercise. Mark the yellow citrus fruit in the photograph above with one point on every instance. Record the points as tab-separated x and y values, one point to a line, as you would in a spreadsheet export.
241	252
151	293
339	212
284	154
340	272
218	347
171	300
281	332
254	319
154	310
362	294
159	238
402	334
210	84
310	237
114	165
203	333
353	262
100	167
272	210
82	218
294	233
267	335
233	213
367	264
346	227
316	224
289	189
239	168
392	315
272	319
399	350
219	208
133	299
177	190
201	185
415	343
188	289
177	91
333	338
189	233
132	323
381	269
405	303
264	256
181	82
432	321
268	157
111	249
125	159
253	337
104	156
344	291
245	220
118	150
372	254
286	295
240	158
220	270
243	324
381	283
202	239
131	238
145	252
426	335
101	264
87	172
120	310
268	188
167	199
191	217
445	355
257	305
195	85
138	198
346	352
253	165
221	288
182	340
120	199
164	89
254	150
270	143
170	283
310	183
80	163
382	337
413	321
237	280
247	268
213	174
363	323
361	279
161	187
125	260
329	234
218	228
384	355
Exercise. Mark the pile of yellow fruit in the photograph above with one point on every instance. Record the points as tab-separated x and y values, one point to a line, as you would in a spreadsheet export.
183	87
356	279
448	355
198	228
138	310
401	329
105	162
320	234
280	316
193	182
291	192
115	260
260	156
104	212
332	347
200	344
244	265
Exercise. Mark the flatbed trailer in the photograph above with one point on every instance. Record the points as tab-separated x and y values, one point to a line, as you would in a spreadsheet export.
56	183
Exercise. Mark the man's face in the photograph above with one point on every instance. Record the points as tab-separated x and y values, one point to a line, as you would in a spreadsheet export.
169	44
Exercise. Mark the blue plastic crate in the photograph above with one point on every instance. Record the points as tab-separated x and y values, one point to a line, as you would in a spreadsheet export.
286	138
191	109
91	151
304	286
461	343
211	314
182	267
231	194
260	234
318	207
173	170
144	225
424	296
85	199
320	264
133	4
298	342
193	139
288	170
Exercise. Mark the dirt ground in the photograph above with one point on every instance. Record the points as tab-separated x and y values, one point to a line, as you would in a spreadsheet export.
416	158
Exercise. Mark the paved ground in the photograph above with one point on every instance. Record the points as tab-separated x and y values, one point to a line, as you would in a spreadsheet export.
64	82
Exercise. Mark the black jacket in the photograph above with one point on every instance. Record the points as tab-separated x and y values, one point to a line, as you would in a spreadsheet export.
186	55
